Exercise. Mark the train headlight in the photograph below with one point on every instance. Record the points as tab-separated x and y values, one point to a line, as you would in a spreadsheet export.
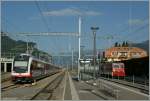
114	70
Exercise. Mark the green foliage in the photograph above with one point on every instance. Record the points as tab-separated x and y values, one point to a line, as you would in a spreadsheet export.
126	44
123	44
116	44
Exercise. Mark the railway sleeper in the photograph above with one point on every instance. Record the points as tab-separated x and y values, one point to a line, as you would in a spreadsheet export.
47	92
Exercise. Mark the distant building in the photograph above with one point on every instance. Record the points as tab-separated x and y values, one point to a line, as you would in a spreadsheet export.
124	53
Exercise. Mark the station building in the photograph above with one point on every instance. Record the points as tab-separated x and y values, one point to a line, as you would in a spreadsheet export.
124	53
6	64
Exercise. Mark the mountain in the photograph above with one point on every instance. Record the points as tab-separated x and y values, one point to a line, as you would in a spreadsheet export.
144	45
9	45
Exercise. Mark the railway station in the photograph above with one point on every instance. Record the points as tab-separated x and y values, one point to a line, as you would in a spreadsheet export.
79	50
6	64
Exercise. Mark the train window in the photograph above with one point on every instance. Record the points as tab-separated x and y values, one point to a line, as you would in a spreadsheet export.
20	69
40	65
33	65
21	63
121	65
115	66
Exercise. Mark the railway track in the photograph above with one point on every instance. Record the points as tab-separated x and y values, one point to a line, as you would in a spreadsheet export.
104	90
100	93
9	87
47	92
141	87
141	81
12	86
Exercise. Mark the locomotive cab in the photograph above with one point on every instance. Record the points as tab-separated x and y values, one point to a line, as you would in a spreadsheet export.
118	69
113	69
20	71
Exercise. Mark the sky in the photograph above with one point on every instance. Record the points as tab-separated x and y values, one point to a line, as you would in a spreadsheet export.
117	21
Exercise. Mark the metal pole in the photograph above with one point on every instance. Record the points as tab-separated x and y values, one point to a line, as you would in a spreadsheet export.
79	48
67	67
133	78
99	67
72	59
27	45
84	66
94	48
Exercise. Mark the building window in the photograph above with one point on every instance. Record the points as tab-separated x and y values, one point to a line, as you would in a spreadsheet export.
134	53
114	53
123	53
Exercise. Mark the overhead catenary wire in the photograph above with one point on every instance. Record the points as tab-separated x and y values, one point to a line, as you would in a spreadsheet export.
56	38
42	16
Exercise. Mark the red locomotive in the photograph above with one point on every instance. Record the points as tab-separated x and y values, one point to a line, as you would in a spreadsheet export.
113	69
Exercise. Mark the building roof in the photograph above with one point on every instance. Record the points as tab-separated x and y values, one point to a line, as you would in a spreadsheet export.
125	49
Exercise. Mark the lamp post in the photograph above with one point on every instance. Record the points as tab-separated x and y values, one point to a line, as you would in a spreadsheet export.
94	29
79	47
82	52
72	59
82	57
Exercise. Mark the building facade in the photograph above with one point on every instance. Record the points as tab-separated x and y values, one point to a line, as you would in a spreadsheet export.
124	53
6	64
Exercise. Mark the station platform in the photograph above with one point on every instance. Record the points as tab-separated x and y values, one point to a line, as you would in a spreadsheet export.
78	90
95	90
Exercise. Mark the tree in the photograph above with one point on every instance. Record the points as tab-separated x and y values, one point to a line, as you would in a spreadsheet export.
126	44
116	44
123	44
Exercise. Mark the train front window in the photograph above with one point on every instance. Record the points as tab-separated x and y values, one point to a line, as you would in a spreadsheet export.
121	66
20	66
115	66
20	69
21	63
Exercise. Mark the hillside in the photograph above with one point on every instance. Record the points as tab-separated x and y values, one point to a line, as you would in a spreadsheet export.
144	45
9	45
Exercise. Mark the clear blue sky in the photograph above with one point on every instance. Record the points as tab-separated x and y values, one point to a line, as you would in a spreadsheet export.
123	20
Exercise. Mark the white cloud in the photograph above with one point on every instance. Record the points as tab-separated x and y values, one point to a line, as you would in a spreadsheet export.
70	12
135	22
